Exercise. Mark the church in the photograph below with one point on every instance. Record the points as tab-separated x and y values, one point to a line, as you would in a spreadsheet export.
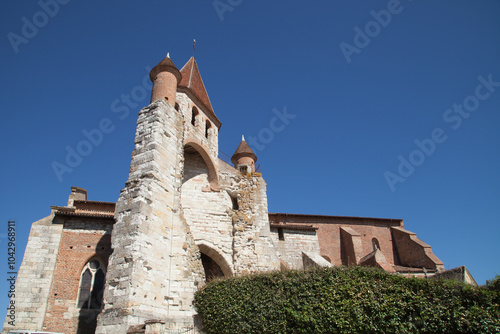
183	218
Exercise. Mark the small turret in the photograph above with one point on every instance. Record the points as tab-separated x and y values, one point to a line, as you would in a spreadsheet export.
165	77
243	158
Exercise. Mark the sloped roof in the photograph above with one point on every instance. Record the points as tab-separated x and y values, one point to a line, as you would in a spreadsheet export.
191	79
89	209
243	150
165	64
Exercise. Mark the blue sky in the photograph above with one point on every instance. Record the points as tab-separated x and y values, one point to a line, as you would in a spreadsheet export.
393	106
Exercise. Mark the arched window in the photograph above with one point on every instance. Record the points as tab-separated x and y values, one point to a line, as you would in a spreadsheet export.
208	125
375	244
177	107
194	113
92	285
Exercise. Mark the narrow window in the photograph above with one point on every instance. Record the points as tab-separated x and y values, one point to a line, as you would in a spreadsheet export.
375	244
85	287
281	235
194	113
207	126
177	107
235	203
92	285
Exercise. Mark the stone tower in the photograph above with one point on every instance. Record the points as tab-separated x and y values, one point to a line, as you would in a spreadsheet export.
183	214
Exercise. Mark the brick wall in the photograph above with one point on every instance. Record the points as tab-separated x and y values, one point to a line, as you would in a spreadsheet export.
80	241
413	252
329	235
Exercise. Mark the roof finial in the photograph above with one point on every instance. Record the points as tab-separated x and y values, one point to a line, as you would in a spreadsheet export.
242	138
168	54
194	45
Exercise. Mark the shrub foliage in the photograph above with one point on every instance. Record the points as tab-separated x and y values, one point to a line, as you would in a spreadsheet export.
345	300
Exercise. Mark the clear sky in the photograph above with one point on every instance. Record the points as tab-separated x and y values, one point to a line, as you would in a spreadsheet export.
359	108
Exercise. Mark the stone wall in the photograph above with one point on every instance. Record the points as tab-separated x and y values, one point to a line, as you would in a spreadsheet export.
172	207
155	266
239	236
253	249
459	274
35	275
294	243
197	131
207	213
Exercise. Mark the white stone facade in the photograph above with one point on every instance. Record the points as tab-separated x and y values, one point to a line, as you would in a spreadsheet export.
294	243
177	203
35	275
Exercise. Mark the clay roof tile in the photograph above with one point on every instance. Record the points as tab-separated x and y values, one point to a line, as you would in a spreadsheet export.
191	79
166	63
243	150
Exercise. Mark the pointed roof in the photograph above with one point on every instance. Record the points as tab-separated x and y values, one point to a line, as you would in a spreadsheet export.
191	79
242	151
165	65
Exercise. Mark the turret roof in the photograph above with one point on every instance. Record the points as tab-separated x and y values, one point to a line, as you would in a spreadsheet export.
242	151
165	64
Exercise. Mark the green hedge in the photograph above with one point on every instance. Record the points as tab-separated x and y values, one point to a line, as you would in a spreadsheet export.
345	300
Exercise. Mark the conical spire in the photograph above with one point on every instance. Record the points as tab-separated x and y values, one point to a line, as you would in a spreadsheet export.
243	151
191	79
165	65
